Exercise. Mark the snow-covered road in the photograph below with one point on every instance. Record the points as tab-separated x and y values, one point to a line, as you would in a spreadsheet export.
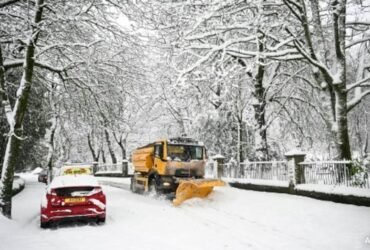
228	219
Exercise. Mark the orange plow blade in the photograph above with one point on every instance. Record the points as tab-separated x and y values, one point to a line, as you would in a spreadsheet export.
201	188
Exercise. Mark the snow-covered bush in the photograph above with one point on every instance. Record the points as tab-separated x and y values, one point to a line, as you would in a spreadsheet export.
18	185
359	173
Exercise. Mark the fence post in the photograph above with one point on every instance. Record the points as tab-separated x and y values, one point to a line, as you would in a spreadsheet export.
214	169
95	167
295	171
124	167
219	160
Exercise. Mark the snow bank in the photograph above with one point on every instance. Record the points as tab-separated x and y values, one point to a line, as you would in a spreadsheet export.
37	170
331	189
295	152
18	183
28	177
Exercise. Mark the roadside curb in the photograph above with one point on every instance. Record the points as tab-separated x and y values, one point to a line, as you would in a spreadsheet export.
345	199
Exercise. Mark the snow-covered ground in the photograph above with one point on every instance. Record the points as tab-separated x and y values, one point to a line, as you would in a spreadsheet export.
228	219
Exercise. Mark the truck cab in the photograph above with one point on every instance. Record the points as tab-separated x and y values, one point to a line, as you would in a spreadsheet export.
162	164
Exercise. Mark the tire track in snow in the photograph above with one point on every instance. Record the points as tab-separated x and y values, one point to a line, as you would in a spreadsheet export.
228	221
26	208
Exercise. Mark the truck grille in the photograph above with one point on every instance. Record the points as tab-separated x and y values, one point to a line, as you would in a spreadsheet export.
185	172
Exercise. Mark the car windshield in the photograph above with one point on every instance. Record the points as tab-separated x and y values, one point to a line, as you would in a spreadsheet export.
184	152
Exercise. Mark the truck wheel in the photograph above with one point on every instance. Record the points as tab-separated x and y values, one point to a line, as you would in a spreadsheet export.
133	185
153	189
152	186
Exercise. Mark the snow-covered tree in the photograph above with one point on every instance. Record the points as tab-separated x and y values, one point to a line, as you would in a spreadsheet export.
327	50
64	40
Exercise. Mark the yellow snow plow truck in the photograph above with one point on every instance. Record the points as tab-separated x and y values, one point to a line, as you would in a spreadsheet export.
174	166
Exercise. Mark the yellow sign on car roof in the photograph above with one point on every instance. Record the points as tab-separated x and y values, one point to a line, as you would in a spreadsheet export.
76	170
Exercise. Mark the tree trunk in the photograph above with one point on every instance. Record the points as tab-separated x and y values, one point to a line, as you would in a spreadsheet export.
51	147
2	80
4	106
109	144
123	150
52	130
259	108
92	149
103	155
121	143
2	95
366	143
10	160
20	107
342	137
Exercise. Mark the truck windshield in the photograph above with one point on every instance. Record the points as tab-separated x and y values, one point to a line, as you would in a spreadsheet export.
184	152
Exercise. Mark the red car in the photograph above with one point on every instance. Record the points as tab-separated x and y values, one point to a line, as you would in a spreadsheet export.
73	197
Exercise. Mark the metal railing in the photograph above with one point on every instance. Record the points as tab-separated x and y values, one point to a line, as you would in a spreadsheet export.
118	169
333	173
273	170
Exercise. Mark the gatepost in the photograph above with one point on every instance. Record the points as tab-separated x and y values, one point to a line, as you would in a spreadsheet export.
295	171
95	167
124	167
219	160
